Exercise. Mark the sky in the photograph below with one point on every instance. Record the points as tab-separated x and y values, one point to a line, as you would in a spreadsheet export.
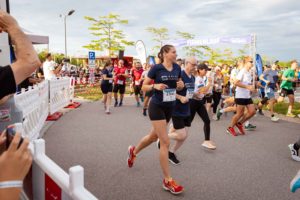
275	22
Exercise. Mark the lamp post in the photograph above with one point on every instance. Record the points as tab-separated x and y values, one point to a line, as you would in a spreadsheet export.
65	24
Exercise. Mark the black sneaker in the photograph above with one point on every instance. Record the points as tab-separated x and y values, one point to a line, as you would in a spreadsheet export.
116	104
120	104
145	112
173	159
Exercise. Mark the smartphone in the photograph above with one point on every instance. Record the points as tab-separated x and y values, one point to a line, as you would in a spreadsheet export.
11	132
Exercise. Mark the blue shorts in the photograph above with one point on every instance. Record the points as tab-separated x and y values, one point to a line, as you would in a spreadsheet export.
270	93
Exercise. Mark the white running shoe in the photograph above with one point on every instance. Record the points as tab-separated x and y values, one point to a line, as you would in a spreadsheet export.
214	117
274	119
294	153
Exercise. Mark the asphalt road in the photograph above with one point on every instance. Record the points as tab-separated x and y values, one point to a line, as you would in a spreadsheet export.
256	166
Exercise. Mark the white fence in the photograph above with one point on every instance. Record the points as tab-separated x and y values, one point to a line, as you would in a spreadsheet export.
36	104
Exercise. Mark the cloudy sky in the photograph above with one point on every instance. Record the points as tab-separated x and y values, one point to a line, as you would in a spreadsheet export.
276	22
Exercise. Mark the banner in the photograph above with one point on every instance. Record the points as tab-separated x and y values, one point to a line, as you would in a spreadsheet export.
141	51
259	64
209	41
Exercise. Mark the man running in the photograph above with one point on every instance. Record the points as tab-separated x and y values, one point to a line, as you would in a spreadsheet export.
286	87
181	114
243	99
137	83
120	74
270	77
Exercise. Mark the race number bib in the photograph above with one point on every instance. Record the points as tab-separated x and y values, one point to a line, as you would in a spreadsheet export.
120	82
189	93
169	95
110	81
137	82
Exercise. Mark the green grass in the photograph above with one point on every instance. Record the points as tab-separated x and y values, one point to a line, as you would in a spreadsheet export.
89	93
282	108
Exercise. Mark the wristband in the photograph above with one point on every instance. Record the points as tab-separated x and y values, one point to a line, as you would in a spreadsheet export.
11	184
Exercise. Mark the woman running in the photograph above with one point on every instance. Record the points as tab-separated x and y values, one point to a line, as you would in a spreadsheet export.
197	103
167	79
107	85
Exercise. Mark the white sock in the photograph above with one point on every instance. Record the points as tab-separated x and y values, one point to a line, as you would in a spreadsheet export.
247	123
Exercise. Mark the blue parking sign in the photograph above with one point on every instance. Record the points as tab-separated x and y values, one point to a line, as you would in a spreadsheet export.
92	55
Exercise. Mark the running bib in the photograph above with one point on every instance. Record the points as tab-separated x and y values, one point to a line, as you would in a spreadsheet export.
189	93
110	81
137	82
169	95
120	82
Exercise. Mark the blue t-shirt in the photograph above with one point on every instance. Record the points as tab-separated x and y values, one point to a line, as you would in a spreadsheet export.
160	74
262	89
183	110
109	74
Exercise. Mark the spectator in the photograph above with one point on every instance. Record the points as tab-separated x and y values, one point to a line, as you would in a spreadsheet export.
49	68
15	162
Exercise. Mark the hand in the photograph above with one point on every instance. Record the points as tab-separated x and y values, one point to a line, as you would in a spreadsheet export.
160	86
251	88
267	82
180	85
7	22
15	162
183	99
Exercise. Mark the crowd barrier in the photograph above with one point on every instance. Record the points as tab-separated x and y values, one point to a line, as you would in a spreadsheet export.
46	179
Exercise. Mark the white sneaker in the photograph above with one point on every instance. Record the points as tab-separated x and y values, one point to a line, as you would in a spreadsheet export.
214	117
294	153
274	119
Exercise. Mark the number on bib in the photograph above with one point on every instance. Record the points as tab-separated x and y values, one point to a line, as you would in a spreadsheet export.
169	95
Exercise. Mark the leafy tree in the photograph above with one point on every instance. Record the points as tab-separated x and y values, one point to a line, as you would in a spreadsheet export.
159	36
196	51
108	36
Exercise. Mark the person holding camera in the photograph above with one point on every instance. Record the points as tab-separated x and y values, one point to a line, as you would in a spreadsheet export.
15	162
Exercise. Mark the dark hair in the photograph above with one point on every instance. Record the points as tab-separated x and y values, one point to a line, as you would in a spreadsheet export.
107	64
48	55
202	66
164	49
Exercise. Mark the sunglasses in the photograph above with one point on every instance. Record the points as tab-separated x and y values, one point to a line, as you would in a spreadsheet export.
250	61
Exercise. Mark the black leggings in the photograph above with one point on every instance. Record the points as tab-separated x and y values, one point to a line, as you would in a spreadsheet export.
216	97
198	107
297	145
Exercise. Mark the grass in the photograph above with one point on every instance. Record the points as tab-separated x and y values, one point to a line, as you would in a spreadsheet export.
92	93
282	108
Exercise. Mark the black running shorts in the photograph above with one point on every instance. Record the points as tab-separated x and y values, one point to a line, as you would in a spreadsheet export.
243	102
285	92
119	88
181	122
106	88
158	112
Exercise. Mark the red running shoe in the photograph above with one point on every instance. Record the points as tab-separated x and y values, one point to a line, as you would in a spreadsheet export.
241	128
231	131
131	156
172	186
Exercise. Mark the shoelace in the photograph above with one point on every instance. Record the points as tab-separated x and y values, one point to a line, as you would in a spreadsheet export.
173	184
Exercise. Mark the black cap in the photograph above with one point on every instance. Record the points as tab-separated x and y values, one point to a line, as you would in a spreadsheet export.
202	66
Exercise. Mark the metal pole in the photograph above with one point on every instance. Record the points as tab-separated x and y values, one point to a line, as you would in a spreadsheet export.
254	56
65	23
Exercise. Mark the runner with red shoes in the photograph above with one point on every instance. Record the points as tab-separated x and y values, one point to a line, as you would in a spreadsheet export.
120	74
167	79
137	83
244	87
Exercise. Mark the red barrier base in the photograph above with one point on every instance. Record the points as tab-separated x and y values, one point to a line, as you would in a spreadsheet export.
54	116
74	105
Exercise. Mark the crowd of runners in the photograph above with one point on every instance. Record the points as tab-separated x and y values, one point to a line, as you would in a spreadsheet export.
173	90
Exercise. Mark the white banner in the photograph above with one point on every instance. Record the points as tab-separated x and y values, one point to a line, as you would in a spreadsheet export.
141	51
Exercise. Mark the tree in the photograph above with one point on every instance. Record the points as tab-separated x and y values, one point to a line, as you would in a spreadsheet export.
159	36
196	51
108	36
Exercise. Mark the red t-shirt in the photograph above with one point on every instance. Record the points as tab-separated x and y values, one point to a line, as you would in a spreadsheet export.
120	79
137	75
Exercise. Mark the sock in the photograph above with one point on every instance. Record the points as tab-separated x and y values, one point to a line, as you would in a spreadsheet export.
247	123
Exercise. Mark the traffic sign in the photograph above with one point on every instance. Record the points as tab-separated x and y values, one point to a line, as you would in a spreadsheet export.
92	55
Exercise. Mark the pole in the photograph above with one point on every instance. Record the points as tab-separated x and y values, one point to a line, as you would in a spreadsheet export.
65	23
253	44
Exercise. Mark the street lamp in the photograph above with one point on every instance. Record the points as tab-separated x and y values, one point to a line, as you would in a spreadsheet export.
65	23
